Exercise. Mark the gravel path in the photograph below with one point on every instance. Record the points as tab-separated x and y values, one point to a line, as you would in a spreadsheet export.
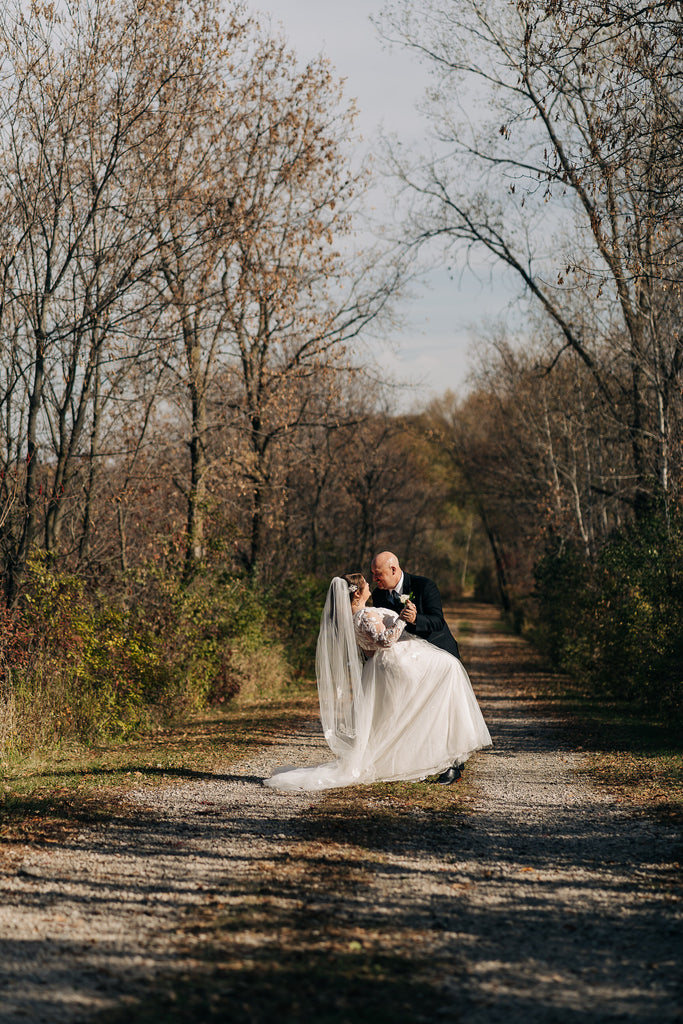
549	902
570	908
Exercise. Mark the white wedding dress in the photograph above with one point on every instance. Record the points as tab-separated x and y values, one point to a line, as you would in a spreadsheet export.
414	712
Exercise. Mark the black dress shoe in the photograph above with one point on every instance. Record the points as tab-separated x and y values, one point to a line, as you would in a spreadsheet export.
451	774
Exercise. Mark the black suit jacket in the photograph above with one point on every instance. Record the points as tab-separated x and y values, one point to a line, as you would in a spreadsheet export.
430	623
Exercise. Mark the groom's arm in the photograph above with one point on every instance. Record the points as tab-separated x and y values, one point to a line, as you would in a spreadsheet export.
430	618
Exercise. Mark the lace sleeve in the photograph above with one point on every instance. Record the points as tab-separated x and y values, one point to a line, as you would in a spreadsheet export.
373	632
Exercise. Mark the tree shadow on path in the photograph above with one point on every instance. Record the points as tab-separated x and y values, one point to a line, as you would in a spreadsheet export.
530	899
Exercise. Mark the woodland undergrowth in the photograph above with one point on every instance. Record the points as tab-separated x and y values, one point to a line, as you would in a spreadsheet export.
88	666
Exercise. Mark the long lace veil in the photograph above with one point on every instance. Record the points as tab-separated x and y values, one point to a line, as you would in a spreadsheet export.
338	668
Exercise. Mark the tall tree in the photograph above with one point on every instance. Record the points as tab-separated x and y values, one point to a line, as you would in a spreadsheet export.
78	101
294	294
201	117
558	152
253	222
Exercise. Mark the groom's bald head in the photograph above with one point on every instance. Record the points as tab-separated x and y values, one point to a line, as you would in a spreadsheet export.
386	572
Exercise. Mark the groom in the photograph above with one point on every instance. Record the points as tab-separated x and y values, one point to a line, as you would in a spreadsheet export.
422	612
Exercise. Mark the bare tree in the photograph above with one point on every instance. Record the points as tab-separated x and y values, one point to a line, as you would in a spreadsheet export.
201	118
558	153
252	225
177	199
78	101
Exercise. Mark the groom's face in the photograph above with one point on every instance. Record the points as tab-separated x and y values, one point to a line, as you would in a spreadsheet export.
386	574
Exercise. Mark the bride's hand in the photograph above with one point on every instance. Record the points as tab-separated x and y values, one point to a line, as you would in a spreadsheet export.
409	612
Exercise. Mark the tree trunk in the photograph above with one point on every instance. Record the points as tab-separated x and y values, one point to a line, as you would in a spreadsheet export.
84	544
196	501
17	565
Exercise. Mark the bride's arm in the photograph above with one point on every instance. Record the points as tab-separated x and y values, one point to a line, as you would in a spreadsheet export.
380	633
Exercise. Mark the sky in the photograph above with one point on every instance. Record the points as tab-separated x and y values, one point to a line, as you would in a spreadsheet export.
441	315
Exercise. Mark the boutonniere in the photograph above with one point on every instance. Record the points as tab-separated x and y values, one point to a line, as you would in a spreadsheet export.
404	598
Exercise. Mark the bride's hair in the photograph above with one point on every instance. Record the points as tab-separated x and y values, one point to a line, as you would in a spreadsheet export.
355	580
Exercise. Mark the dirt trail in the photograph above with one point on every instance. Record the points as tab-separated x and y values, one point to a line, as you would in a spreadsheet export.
548	903
573	912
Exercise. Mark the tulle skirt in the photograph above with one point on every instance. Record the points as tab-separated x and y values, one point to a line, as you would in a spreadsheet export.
419	715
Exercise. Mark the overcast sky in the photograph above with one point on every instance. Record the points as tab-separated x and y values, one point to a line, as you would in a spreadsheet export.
387	84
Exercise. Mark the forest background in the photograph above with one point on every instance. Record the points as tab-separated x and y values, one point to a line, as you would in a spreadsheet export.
193	435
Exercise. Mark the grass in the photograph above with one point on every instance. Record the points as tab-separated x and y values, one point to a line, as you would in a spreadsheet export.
639	760
52	793
637	757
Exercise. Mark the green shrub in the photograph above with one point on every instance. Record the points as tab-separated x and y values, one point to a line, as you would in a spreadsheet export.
98	665
296	606
86	669
617	623
214	632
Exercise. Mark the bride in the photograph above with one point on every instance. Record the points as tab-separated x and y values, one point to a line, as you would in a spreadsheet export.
403	709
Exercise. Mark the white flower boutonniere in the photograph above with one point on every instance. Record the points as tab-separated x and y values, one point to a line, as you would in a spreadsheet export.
404	598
